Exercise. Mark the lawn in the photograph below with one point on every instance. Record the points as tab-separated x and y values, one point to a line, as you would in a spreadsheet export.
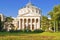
30	36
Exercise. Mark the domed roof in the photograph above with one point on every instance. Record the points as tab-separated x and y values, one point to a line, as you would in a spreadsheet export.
29	8
30	5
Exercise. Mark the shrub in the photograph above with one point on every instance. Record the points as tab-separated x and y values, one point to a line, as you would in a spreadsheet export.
27	30
4	30
11	31
15	31
19	30
38	31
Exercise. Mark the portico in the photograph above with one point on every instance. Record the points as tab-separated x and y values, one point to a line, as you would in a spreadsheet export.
31	23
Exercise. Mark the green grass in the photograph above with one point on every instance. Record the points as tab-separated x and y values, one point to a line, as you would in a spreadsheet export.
30	36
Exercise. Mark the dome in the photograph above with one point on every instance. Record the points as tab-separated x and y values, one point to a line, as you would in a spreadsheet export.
29	8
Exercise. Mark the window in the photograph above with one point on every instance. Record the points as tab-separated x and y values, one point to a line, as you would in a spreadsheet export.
32	27
24	20
32	20
24	26
28	26
36	20
28	20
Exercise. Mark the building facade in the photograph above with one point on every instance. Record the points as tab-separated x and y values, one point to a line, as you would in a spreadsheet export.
28	18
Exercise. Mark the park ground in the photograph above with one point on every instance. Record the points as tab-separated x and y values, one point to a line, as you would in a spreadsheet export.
30	36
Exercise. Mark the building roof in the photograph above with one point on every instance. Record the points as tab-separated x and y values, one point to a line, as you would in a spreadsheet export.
29	8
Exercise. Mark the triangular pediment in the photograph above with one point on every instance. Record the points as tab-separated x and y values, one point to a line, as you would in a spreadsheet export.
31	14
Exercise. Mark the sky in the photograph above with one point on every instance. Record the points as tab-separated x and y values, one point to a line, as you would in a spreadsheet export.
11	7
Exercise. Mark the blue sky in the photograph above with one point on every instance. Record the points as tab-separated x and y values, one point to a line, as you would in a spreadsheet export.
11	7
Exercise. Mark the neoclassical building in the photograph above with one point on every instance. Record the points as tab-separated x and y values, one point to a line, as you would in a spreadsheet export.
28	18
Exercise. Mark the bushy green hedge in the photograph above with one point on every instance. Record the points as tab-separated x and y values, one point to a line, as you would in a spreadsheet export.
38	31
16	31
27	30
4	30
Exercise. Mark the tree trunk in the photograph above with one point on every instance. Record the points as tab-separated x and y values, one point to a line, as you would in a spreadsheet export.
56	26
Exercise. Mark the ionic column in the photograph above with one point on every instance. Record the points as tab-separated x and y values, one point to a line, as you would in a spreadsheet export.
23	24
38	24
27	20
34	24
31	24
26	23
19	25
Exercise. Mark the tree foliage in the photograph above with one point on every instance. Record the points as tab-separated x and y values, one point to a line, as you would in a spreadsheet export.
45	23
55	16
9	19
1	24
8	23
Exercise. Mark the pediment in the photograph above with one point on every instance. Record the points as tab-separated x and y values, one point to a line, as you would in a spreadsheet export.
31	14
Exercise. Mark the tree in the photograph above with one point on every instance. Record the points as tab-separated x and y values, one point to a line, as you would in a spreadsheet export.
55	16
8	23
9	19
45	23
1	24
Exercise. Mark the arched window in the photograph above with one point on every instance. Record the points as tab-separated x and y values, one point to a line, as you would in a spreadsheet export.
24	26
24	20
32	20
18	24
36	20
28	26
28	20
32	27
